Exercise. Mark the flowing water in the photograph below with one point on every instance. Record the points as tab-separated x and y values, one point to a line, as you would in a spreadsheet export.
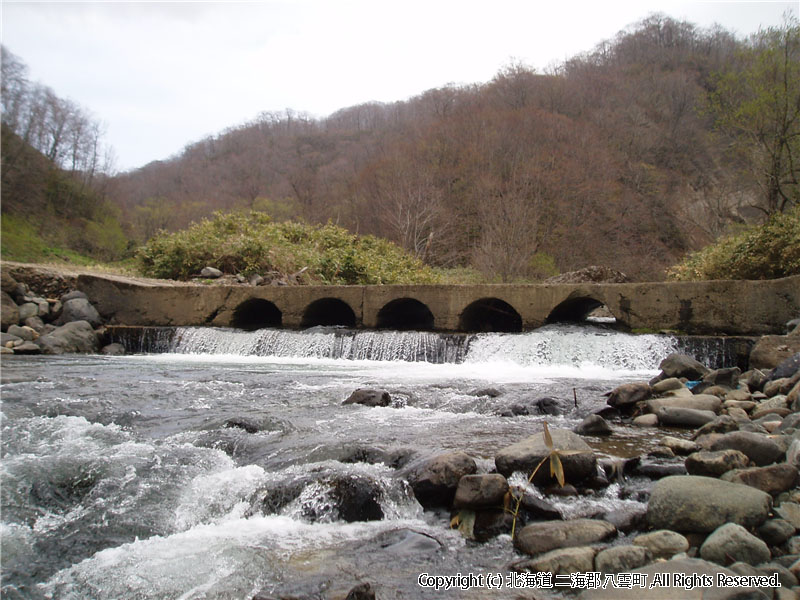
207	467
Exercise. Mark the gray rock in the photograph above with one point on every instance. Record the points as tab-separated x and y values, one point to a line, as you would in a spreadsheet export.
4	350
73	295
772	479
758	447
368	397
666	385
211	273
9	311
731	543
698	402
28	309
544	536
434	480
35	323
789	511
480	491
787	368
722	424
26	333
687	418
774	387
683	365
594	425
662	543
715	463
114	349
725	377
776	531
689	503
79	309
77	336
619	559
684	566
793	454
679	445
7	338
628	394
577	457
27	348
562	561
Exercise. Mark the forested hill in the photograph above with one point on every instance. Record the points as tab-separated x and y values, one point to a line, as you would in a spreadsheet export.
627	156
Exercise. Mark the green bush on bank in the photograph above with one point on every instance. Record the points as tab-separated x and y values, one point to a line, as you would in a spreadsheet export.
767	251
251	243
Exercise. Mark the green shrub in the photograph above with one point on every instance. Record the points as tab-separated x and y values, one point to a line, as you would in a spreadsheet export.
250	243
767	251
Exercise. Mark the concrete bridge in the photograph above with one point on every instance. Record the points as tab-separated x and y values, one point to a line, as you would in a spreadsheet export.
710	307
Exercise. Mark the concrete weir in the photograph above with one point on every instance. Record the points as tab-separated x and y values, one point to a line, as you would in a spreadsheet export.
706	307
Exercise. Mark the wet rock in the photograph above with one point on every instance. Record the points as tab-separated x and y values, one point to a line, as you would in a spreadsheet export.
562	561
699	402
480	491
627	519
594	425
731	543
772	479
9	312
77	336
621	559
680	445
667	385
551	406
406	542
758	447
661	452
362	591
242	423
662	543
684	567
114	349
682	365
489	392
577	457
715	463
701	504
687	418
533	508
79	309
434	480
548	535
491	523
776	532
369	397
628	394
655	469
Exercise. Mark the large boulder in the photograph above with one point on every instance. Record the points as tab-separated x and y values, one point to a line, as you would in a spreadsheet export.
77	336
690	503
480	491
79	309
683	365
759	448
369	397
435	480
771	350
628	394
773	479
576	456
9	312
732	543
545	536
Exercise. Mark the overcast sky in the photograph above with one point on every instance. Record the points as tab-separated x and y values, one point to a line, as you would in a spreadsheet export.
160	75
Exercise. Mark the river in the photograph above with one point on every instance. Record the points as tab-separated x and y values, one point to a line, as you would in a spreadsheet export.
135	476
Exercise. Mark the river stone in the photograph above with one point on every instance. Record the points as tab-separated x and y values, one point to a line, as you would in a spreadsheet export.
771	350
774	387
594	425
115	349
576	456
728	378
687	418
562	561
27	310
648	420
27	347
683	365
79	309
621	559
690	503
480	491
627	394
772	479
26	333
731	543
73	295
787	368
7	340
210	273
793	454
758	447
662	543
722	424
698	402
77	336
715	463
679	445
684	566
434	480
534	508
666	385
776	531
9	312
35	323
790	423
544	536
789	511
369	397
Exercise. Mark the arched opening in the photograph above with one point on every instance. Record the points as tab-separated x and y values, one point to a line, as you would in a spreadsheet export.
576	310
256	314
328	311
490	314
404	314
